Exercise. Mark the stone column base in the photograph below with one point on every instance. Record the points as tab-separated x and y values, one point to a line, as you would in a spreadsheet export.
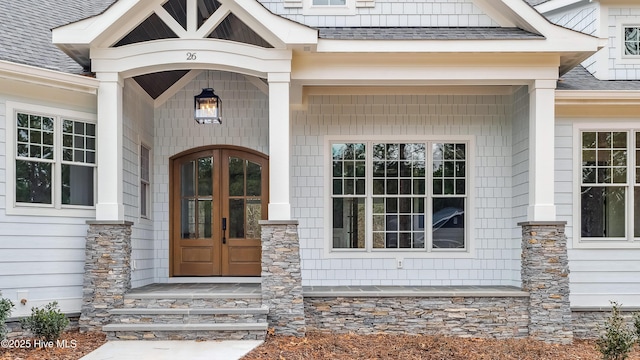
282	278
107	272
545	275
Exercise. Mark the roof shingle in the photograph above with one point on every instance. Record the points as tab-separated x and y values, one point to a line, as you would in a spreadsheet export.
25	30
425	33
581	79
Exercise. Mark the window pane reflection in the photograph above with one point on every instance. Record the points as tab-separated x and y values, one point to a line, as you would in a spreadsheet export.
448	223
348	223
603	211
236	218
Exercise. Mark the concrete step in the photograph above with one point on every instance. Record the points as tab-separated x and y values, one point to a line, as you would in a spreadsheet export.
190	301
208	312
189	316
232	331
188	311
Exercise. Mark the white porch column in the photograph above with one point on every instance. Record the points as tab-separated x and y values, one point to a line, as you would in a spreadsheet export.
109	204
279	146
541	150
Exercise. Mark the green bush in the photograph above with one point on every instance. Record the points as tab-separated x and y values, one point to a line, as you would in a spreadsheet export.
617	340
636	324
47	323
5	310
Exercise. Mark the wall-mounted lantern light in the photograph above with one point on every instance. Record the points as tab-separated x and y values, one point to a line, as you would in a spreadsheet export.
208	107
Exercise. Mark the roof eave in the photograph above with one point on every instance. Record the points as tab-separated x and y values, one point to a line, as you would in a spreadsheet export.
56	79
75	39
562	46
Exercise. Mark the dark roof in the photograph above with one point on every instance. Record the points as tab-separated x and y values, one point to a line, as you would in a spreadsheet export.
425	33
25	30
581	79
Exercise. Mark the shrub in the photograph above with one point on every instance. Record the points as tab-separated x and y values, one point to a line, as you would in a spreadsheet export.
617	340
636	325
5	311
47	323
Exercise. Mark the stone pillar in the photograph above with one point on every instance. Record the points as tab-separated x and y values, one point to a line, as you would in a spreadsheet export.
545	275
281	277
107	272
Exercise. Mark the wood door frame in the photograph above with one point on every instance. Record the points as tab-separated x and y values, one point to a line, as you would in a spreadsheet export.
173	181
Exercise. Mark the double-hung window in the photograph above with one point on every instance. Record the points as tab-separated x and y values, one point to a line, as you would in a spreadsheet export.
609	186
145	170
407	196
53	159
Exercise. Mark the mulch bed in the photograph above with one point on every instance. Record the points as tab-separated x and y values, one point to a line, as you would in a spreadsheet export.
407	347
76	346
350	346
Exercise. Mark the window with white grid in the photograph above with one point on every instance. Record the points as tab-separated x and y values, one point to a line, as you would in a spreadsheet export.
399	196
55	160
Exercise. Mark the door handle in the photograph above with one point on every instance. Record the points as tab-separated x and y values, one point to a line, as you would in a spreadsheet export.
224	230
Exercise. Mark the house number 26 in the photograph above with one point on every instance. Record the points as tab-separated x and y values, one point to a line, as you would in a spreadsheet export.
191	56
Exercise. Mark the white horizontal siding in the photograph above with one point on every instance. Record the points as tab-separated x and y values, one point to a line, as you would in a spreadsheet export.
13	268
41	258
596	276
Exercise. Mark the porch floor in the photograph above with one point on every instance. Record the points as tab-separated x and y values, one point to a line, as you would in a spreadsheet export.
254	290
197	289
413	291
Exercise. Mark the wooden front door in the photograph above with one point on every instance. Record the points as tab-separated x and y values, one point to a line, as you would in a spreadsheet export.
218	195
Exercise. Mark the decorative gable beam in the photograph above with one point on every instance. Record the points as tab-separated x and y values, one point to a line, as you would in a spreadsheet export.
192	16
102	31
171	22
256	25
212	22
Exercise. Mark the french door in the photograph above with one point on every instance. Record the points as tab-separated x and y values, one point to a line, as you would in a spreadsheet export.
218	195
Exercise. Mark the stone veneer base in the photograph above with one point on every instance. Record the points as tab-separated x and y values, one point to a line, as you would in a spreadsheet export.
282	277
107	272
545	276
484	317
589	324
